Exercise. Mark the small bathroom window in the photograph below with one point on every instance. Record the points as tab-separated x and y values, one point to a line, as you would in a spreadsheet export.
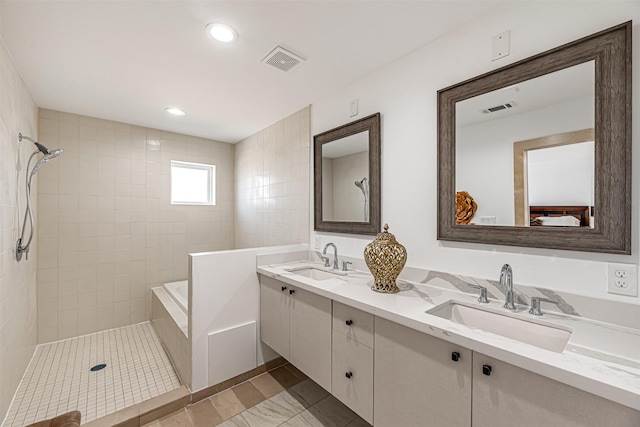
192	183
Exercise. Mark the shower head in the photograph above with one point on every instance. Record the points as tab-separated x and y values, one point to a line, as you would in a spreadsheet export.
53	153
48	156
360	184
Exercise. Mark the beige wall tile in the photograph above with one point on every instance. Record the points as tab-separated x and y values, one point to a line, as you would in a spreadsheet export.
272	167
109	198
18	305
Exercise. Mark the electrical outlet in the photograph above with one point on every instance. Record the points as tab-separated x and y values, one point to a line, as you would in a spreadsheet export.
317	242
622	279
487	220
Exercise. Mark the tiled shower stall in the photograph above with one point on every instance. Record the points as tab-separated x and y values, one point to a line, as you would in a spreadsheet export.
107	230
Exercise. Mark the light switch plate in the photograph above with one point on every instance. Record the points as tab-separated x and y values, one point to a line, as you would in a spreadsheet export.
622	279
353	108
500	45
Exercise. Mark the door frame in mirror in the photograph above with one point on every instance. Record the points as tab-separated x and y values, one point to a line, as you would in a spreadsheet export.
372	227
521	151
611	50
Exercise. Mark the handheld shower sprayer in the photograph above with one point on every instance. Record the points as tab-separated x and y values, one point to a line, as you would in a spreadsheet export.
21	247
50	155
363	185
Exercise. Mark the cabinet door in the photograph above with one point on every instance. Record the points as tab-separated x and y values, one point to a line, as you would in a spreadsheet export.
274	315
416	382
510	393
352	375
353	323
310	342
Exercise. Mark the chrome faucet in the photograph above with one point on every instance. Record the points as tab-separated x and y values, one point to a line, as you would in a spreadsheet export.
482	299
506	280
335	254
535	305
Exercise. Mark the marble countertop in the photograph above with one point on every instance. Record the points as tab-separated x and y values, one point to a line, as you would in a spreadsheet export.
600	358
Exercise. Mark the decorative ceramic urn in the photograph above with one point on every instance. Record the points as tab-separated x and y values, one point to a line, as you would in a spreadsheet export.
385	257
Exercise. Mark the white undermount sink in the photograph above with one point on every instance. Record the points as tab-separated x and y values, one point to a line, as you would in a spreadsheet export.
531	331
315	273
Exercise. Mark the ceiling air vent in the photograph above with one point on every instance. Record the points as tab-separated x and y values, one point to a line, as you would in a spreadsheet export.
500	107
282	59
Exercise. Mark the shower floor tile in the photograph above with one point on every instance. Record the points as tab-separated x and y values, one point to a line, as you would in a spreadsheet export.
59	378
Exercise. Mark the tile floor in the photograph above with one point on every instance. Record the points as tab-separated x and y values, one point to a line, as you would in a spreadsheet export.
59	379
281	397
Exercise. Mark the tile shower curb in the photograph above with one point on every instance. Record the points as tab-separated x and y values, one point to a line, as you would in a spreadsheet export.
167	403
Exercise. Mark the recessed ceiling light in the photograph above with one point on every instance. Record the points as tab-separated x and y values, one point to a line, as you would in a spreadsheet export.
221	32
175	111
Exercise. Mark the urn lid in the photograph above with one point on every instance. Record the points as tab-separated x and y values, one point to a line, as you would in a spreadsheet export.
385	237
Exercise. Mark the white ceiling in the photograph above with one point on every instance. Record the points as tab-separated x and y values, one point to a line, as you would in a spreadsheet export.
128	60
346	146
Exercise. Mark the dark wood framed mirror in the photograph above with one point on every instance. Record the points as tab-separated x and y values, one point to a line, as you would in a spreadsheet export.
346	164
540	97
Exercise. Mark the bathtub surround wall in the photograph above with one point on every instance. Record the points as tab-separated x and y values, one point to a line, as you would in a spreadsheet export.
405	94
170	323
108	232
272	184
224	305
18	314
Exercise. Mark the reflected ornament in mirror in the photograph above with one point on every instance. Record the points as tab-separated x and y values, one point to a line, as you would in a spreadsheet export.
465	207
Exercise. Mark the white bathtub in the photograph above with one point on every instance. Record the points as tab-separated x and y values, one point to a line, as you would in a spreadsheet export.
179	292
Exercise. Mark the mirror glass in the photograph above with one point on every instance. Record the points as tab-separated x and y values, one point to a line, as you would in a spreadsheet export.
555	170
346	163
345	179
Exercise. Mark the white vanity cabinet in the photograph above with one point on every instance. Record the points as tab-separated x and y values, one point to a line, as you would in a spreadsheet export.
297	324
503	393
392	375
352	359
419	380
274	315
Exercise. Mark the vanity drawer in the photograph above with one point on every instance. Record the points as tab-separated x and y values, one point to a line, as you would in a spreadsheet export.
353	323
352	375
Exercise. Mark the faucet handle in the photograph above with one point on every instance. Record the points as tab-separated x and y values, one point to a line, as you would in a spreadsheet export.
326	261
535	305
345	265
483	293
